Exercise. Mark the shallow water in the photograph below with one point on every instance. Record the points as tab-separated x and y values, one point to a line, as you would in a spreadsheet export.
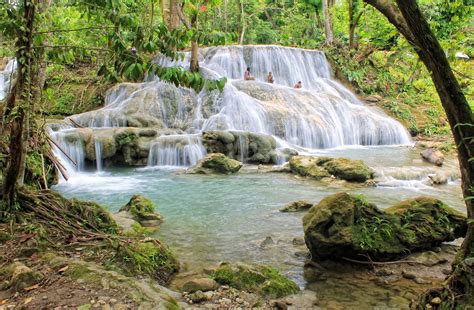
214	218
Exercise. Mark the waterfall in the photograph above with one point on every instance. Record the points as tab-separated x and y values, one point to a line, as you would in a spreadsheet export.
322	114
176	150
98	155
68	149
6	78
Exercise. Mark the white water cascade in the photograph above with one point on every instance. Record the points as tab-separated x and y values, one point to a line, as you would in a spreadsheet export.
176	150
323	114
98	155
6	78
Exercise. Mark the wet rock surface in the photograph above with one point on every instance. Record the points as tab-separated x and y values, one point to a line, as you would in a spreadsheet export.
433	156
323	167
216	163
297	206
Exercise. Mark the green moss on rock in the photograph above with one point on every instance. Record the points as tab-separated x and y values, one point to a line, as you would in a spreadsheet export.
149	257
321	167
142	209
216	163
255	278
347	169
342	225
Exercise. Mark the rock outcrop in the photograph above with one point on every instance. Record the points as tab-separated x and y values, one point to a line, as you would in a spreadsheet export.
244	146
322	167
142	210
215	163
434	156
255	278
342	225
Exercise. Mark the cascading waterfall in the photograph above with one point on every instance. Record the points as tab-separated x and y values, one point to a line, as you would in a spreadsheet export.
323	114
176	150
70	153
6	78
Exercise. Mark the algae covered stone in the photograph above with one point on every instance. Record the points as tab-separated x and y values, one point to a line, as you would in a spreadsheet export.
342	225
307	166
260	279
346	169
143	210
216	163
428	221
322	167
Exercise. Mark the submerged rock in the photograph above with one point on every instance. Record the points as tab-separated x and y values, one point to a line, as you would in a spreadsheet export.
142	210
300	205
255	278
433	156
216	163
342	225
321	167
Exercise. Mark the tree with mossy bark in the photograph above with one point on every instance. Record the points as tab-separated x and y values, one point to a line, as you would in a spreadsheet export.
406	16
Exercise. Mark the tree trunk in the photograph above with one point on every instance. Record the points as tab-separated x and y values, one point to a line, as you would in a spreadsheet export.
327	23
15	124
194	67
165	12
412	24
242	22
351	23
174	17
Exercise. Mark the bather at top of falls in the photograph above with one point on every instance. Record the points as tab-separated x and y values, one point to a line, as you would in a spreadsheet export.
323	114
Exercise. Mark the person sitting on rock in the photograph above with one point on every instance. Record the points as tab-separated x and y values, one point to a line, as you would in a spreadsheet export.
298	85
248	76
270	77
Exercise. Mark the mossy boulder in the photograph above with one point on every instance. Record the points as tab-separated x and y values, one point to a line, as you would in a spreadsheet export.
342	225
321	167
142	210
307	166
346	169
148	257
428	221
260	279
216	163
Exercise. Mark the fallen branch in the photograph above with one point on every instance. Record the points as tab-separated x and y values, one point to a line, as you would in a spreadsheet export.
62	151
74	122
381	263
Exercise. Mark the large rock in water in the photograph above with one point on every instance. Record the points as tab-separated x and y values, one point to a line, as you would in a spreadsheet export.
247	146
216	163
342	225
142	210
433	156
321	167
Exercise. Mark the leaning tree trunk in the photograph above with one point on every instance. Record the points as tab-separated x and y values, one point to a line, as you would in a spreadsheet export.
327	23
16	122
409	20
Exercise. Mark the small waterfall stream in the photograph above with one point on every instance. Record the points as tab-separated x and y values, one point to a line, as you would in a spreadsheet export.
98	155
6	78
